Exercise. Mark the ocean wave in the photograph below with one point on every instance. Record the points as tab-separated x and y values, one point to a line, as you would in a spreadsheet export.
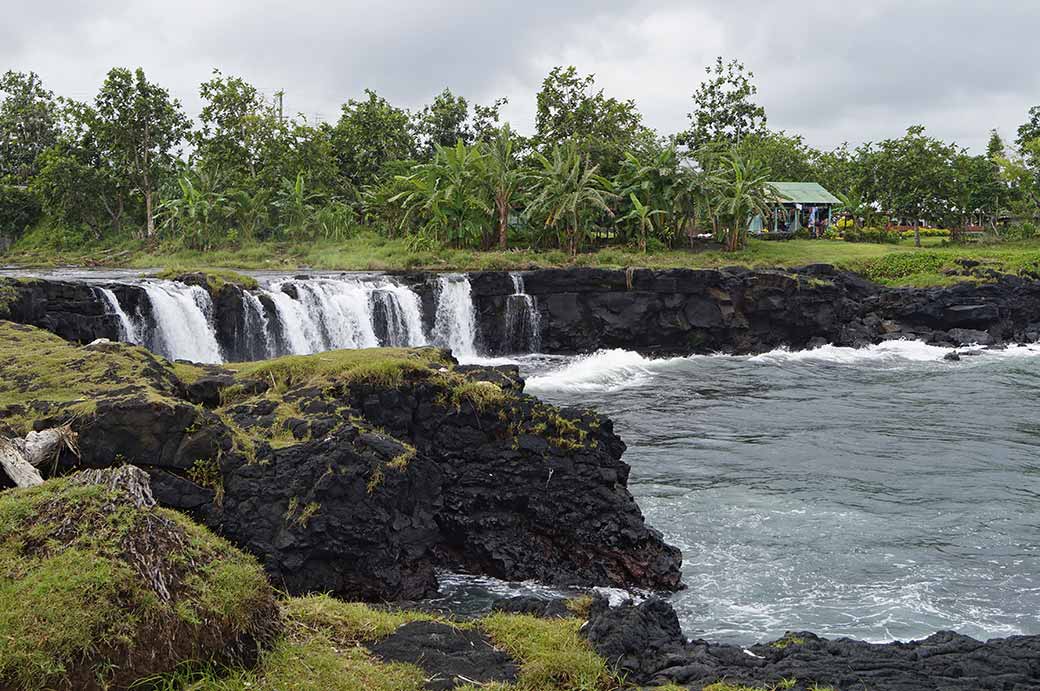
887	351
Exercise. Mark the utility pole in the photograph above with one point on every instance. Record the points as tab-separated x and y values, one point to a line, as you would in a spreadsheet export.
280	93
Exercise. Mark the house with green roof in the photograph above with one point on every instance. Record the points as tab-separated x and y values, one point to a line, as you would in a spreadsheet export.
800	205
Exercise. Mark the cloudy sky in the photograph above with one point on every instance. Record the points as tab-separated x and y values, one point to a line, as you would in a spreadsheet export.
827	70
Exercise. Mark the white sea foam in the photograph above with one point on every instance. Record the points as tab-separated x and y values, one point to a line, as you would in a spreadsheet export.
604	370
887	351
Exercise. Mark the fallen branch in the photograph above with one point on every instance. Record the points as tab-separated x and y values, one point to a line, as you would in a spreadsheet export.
20	458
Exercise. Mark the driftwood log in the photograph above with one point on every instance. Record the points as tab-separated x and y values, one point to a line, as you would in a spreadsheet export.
21	459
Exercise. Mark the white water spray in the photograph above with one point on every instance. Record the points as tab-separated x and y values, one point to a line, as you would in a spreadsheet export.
523	325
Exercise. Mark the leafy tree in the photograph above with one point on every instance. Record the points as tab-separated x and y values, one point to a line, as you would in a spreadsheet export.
723	107
839	170
787	156
29	124
568	190
442	123
139	127
571	109
741	191
237	130
995	147
1030	129
369	134
505	176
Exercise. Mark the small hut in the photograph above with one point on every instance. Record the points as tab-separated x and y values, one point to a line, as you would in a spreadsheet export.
802	205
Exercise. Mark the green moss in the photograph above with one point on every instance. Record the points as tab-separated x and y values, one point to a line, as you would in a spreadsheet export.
216	279
74	598
482	395
779	686
42	374
788	640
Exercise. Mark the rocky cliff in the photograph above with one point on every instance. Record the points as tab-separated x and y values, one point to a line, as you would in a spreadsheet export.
355	472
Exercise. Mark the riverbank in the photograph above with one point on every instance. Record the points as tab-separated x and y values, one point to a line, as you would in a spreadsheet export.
889	264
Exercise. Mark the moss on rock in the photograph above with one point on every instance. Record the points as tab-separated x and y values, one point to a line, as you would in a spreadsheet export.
97	591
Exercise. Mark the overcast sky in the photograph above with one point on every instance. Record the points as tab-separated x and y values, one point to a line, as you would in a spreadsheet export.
826	69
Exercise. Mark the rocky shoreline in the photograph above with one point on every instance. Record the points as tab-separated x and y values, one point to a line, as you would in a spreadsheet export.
363	473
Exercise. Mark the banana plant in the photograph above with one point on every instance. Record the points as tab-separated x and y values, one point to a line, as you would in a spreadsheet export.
643	215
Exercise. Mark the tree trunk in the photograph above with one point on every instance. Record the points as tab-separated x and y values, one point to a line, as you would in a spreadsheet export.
917	234
20	458
16	466
503	224
148	212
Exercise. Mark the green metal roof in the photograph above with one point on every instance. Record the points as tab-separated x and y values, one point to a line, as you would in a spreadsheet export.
805	193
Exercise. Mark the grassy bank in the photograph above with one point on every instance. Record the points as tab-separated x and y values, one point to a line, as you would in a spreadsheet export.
892	264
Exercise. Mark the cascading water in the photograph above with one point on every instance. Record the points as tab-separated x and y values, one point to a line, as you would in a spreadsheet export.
454	324
398	311
183	322
128	330
256	322
523	333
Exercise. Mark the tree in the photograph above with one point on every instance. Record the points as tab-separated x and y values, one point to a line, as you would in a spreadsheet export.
912	176
442	123
505	176
451	195
571	109
139	127
723	107
1030	129
568	190
787	156
237	130
28	125
995	147
741	191
370	133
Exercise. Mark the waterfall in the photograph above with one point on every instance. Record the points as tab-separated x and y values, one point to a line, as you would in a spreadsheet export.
454	324
325	314
523	333
398	308
301	334
128	331
183	322
256	322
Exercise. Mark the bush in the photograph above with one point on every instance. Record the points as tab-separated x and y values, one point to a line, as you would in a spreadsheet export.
876	235
927	233
1020	231
19	209
902	265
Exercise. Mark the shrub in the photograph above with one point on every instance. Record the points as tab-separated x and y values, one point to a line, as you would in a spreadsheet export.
876	235
19	209
1020	231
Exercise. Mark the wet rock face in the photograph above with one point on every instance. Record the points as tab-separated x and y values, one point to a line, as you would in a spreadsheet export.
677	311
644	641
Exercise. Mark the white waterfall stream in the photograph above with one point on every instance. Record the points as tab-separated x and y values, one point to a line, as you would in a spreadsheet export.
454	324
183	321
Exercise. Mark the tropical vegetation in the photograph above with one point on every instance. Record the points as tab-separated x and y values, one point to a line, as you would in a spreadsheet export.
131	166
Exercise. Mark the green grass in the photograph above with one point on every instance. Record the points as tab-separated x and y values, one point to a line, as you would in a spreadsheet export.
216	279
371	252
323	650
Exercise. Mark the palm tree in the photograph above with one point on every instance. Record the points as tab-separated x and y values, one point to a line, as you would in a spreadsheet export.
852	203
741	190
504	176
643	214
568	189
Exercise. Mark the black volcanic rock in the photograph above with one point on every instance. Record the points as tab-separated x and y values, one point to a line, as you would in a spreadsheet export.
645	642
360	480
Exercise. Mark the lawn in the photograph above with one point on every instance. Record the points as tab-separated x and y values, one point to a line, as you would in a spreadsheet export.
892	264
